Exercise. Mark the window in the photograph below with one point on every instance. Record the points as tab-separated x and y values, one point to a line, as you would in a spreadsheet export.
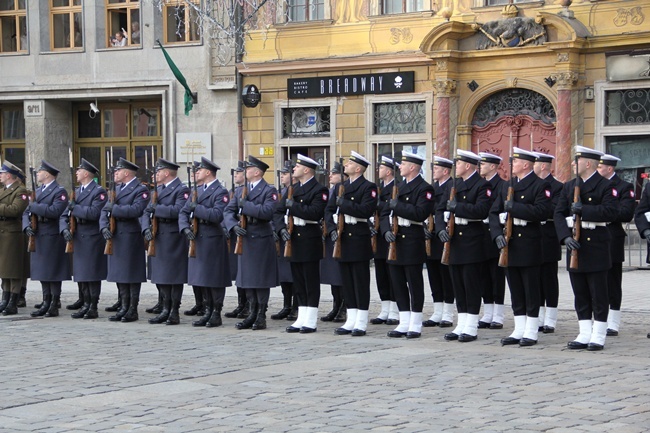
627	107
66	26
123	23
399	118
181	21
305	10
12	135
13	26
402	6
306	122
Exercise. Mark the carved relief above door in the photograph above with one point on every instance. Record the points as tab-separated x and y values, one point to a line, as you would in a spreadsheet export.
514	117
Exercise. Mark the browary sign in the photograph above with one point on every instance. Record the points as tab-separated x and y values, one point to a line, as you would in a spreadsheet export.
321	87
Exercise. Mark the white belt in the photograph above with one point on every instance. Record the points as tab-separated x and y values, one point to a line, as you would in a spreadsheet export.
348	219
299	221
464	221
519	222
547	221
403	222
587	225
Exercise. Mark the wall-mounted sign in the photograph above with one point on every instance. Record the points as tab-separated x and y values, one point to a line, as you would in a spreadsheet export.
34	108
367	84
192	146
628	67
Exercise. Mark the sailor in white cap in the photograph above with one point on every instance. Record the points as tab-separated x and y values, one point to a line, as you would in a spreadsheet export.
598	205
627	203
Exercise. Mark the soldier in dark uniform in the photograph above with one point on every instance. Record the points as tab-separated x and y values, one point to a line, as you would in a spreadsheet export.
330	271
442	291
386	172
355	206
197	309
471	206
529	206
209	270
493	276
413	205
168	268
307	208
642	220
284	267
127	264
597	206
88	259
14	199
552	253
49	263
257	268
626	205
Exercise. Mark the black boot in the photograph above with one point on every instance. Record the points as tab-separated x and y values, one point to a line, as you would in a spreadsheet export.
198	299
86	305
164	314
11	305
247	323
158	308
241	305
45	305
116	306
125	299
92	311
207	304
22	301
282	314
53	311
287	292
215	317
342	315
329	317
5	300
260	321
132	314
293	315
77	304
174	316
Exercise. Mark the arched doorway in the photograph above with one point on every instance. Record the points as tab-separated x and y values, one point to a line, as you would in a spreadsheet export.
514	117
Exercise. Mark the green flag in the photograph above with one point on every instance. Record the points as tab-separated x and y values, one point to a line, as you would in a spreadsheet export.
181	79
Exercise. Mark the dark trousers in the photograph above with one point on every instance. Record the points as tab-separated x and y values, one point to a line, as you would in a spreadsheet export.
494	281
129	287
51	288
258	296
408	284
306	283
11	285
94	288
590	292
550	287
524	290
466	280
440	282
615	285
384	285
356	284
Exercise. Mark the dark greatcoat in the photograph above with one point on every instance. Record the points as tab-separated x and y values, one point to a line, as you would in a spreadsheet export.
625	214
551	248
642	223
89	262
440	195
284	267
330	271
360	201
127	264
49	262
169	265
257	267
385	193
13	202
599	204
415	203
211	266
531	202
491	250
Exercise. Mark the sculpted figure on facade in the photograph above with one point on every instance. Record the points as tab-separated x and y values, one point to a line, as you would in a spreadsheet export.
509	32
349	11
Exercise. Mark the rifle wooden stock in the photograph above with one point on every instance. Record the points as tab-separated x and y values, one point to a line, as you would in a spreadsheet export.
427	242
243	222
323	228
288	251
151	249
336	254
373	240
191	252
392	247
108	249
577	228
33	222
451	227
72	224
503	254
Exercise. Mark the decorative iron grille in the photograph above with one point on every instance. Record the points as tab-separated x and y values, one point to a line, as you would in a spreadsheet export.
513	102
306	122
627	107
400	118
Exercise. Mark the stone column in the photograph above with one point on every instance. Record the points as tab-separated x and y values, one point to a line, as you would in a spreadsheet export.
443	90
565	81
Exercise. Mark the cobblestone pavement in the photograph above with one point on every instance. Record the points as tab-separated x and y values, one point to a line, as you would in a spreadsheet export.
67	375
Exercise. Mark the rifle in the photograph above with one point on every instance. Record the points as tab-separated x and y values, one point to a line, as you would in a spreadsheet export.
72	222
151	250
239	245
31	241
373	240
577	223
507	232
277	242
287	244
195	222
451	224
427	242
392	247
340	226
108	249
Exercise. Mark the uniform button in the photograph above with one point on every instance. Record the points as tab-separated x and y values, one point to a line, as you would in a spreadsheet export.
464	197
460	233
588	239
300	201
403	236
518	235
298	234
407	199
522	197
349	234
589	199
352	199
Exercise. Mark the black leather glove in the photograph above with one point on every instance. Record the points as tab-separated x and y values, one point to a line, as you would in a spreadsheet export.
289	203
576	208
334	235
443	236
339	201
501	242
108	207
646	235
226	233
373	232
192	206
107	233
507	205
189	234
151	209
67	235
427	233
242	202
148	234
30	231
239	231
451	205
389	236
571	244
284	233
71	205
392	203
